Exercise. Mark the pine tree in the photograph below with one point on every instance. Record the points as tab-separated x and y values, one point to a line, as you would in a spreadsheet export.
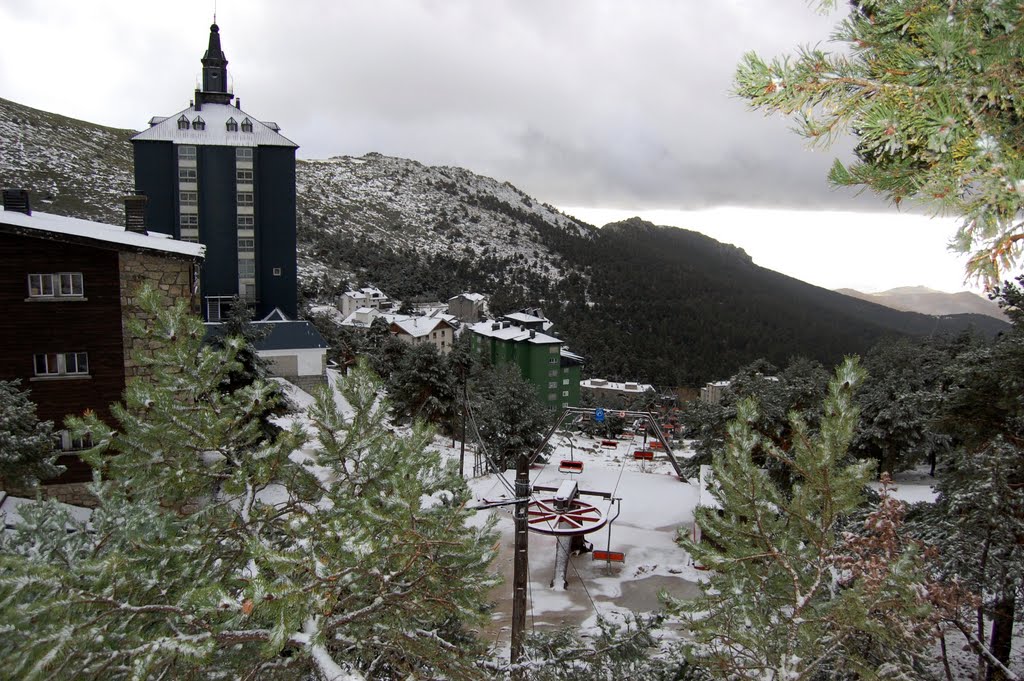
790	595
978	520
932	91
506	414
215	553
27	454
422	386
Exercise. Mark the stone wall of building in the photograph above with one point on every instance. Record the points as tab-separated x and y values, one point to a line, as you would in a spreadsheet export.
173	278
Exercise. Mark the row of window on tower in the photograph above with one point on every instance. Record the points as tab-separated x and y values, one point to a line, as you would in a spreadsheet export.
197	123
244	191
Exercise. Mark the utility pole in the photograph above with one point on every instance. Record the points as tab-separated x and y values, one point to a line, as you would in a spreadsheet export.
465	415
520	562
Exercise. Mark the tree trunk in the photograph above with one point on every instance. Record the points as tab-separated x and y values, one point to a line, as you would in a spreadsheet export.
1002	632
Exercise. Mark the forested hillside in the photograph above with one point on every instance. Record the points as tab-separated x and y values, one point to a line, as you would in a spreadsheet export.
656	304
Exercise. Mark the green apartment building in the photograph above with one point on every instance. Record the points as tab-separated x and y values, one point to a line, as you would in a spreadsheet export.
553	371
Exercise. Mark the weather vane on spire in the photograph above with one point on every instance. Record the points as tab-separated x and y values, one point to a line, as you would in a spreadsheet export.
215	11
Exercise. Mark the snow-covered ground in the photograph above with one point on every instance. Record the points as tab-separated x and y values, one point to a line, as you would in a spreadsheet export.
654	505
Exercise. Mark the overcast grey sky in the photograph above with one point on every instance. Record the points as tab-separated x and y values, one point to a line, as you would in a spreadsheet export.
582	103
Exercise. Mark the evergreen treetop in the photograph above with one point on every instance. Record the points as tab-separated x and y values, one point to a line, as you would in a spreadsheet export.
932	91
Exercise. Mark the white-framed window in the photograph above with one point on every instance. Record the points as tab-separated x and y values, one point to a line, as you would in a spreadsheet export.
565	381
61	363
188	198
565	393
553	349
189	221
277	271
40	286
246	268
245	198
552	360
67	442
56	285
232	125
246	222
552	385
218	308
243	153
186	152
246	245
187	175
553	373
243	176
70	283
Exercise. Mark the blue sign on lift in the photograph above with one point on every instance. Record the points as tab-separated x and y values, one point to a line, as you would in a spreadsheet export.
599	415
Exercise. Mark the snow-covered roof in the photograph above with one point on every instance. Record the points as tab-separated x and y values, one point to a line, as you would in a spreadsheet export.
363	317
366	292
571	355
45	225
215	131
625	387
472	297
524	318
511	332
418	326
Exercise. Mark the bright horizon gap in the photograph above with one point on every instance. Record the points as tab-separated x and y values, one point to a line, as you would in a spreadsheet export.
869	252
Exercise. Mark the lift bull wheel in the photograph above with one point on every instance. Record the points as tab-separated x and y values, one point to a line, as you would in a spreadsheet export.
568	518
547	516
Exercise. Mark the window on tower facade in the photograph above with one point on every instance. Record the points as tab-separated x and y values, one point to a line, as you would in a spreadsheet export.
186	152
246	222
245	199
246	268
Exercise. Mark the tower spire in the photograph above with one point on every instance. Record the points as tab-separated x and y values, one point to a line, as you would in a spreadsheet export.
215	70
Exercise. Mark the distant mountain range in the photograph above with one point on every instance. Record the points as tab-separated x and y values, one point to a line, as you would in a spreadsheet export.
929	301
657	304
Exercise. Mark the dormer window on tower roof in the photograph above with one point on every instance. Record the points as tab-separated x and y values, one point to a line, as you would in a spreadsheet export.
183	123
246	125
198	123
232	125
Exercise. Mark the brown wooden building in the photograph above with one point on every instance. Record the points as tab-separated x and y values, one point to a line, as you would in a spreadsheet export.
66	291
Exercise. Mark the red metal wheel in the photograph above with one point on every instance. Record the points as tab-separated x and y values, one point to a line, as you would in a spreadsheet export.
578	518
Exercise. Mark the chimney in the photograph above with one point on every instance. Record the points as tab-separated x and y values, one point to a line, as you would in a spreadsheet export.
533	334
238	102
16	201
135	213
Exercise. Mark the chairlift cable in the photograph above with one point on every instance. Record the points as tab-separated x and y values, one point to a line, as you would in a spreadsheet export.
487	457
586	590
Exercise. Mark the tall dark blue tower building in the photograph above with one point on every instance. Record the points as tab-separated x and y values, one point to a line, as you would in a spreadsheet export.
217	175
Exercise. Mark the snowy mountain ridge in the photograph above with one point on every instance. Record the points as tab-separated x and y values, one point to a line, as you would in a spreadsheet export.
404	205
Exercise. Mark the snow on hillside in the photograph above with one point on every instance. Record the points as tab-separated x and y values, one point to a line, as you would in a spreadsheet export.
406	205
72	167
